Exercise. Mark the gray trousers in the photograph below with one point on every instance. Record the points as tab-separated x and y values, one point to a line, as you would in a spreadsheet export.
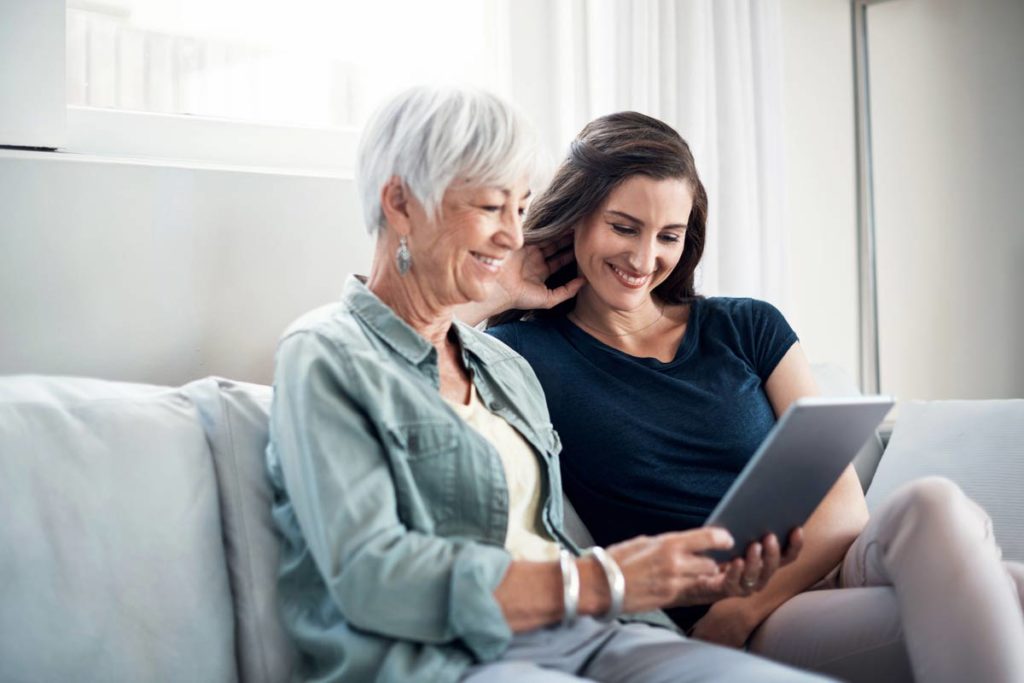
922	594
635	653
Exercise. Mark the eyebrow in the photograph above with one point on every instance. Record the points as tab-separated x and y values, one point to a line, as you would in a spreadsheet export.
508	193
623	214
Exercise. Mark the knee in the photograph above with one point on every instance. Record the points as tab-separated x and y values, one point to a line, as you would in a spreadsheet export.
938	501
930	494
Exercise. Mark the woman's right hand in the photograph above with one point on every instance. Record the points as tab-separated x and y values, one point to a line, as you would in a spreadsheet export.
521	282
522	278
670	570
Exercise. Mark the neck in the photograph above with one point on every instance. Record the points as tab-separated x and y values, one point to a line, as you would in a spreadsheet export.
403	294
601	317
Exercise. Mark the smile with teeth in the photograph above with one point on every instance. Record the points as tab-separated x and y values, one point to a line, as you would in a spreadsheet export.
629	280
491	263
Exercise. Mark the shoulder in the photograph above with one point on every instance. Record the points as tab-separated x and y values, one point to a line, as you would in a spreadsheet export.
330	332
524	335
740	312
736	305
488	347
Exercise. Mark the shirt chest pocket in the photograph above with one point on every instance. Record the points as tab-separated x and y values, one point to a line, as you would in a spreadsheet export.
449	481
425	472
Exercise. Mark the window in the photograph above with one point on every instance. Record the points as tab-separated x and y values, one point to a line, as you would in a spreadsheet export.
261	83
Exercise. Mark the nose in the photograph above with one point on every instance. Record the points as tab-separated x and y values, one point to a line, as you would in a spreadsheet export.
511	234
642	258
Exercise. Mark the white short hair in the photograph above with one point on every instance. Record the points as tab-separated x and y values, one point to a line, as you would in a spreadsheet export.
428	136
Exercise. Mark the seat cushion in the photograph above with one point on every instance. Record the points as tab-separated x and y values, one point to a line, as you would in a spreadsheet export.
235	416
112	565
977	444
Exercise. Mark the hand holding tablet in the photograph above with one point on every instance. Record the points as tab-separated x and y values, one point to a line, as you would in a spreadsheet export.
794	468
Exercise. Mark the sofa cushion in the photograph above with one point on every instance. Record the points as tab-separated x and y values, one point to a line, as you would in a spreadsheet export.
235	416
112	565
977	444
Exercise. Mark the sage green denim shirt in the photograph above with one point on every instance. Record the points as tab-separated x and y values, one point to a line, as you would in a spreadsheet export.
392	511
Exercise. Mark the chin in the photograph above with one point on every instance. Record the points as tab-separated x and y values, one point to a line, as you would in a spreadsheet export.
615	296
471	291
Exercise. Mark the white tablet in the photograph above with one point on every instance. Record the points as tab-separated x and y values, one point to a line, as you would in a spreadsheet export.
794	468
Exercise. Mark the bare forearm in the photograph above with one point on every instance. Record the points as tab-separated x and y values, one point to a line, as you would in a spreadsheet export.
827	536
531	593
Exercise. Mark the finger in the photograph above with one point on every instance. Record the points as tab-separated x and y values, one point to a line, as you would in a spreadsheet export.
560	260
772	556
734	577
555	246
565	292
695	565
706	589
704	539
755	561
796	544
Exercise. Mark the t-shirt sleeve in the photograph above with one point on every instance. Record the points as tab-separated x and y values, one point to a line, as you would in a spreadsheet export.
507	333
771	337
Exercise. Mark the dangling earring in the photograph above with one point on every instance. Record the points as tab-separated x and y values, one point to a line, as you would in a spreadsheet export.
403	259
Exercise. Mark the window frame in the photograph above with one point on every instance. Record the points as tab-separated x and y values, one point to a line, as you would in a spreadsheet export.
174	139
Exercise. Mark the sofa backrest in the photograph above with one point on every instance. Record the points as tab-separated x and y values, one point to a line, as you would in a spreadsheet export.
977	444
235	416
112	564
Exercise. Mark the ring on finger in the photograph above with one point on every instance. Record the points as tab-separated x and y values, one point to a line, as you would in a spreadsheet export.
748	583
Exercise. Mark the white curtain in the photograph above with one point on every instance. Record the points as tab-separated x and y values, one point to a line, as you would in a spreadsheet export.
709	68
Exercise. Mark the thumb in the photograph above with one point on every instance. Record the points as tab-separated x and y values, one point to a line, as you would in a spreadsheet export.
565	292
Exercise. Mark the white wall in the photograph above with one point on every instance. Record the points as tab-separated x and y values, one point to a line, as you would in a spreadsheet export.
947	81
821	210
163	274
947	105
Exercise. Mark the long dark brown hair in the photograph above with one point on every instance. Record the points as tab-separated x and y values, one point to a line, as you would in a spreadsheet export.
607	151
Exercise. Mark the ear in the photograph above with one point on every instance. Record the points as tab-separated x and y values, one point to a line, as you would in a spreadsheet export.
394	202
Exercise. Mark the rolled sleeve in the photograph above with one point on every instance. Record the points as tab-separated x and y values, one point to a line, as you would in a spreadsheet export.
383	577
475	614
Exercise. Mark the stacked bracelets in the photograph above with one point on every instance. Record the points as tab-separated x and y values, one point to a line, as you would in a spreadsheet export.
571	584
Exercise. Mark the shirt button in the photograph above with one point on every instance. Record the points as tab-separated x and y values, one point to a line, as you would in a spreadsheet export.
497	405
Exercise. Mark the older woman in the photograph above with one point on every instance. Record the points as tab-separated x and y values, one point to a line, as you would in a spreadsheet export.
414	466
661	397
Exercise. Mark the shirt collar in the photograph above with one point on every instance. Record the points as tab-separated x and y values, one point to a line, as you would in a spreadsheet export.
397	333
379	317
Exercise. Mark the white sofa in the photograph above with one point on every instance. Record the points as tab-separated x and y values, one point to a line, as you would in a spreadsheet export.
136	542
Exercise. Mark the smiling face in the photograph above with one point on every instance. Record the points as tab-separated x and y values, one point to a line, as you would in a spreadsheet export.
631	244
457	256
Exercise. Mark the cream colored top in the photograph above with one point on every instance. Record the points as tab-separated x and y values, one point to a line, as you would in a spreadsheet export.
526	539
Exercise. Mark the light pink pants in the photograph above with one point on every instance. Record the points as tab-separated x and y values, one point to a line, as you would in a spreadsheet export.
922	594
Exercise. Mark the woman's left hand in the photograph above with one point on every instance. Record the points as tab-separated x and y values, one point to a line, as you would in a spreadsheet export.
730	621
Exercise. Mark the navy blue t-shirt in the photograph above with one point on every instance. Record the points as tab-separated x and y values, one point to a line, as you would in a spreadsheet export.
648	446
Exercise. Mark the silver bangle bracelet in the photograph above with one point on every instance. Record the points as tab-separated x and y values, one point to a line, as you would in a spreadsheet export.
570	586
616	582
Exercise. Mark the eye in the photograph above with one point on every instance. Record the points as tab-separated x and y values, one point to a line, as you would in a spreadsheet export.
491	208
623	229
669	237
522	212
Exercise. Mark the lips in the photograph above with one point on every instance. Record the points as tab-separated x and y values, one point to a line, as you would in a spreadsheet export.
491	263
630	280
